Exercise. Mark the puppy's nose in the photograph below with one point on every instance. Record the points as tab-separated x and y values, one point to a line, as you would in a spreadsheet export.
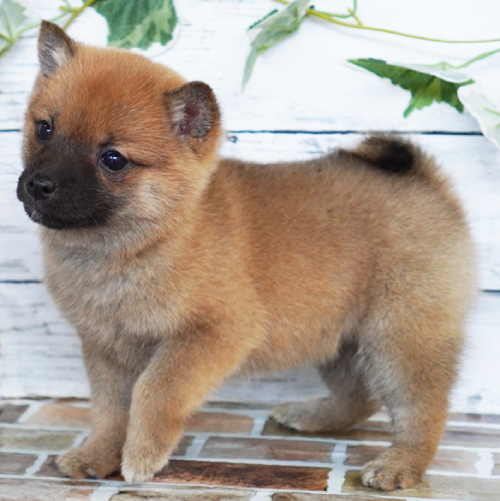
39	188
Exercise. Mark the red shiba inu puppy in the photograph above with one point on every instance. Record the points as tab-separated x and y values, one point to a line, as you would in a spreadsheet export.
179	268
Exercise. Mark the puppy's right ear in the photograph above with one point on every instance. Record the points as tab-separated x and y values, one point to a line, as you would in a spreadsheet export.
55	48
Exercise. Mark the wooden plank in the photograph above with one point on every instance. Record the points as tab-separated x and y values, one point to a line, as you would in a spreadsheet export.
41	358
471	161
302	84
40	353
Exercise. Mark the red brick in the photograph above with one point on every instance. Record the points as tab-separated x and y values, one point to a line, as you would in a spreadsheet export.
259	448
245	475
217	422
183	446
11	413
50	469
58	415
15	464
20	438
43	490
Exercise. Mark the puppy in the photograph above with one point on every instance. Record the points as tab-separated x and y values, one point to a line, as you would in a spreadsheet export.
179	268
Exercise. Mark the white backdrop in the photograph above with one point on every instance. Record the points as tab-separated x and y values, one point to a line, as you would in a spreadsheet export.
302	100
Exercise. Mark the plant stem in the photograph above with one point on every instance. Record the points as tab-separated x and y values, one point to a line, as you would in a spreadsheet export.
76	12
332	18
477	58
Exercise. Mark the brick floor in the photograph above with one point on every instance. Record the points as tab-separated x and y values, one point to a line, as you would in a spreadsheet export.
41	490
232	452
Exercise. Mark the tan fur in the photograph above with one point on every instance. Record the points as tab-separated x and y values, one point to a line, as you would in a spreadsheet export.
214	266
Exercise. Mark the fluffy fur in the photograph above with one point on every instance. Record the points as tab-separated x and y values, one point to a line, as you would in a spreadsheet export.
183	268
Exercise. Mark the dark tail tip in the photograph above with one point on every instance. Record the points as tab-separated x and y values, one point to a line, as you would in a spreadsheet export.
390	154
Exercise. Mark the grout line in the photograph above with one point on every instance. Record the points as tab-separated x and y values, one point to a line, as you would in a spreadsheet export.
258	425
104	493
339	454
485	464
263	495
336	477
80	438
196	446
43	427
32	409
31	470
335	481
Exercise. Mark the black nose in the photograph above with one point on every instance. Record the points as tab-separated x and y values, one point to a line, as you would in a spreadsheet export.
40	189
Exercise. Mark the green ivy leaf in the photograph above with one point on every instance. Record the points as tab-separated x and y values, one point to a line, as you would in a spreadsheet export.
425	89
13	17
274	27
138	23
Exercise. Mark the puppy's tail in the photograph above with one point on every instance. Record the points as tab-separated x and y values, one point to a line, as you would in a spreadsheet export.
394	155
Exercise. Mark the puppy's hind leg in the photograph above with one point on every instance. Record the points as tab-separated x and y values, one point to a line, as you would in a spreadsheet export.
412	367
347	405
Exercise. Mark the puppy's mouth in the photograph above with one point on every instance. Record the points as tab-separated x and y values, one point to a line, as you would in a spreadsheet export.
56	222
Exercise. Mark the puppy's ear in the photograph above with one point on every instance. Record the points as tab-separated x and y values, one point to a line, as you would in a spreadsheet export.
193	110
55	48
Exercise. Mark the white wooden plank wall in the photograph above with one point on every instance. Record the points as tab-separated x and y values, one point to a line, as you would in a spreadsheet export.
302	100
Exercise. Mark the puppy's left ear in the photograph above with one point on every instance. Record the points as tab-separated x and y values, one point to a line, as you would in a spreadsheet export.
193	109
55	48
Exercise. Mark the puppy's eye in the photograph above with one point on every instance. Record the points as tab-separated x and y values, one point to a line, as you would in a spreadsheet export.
44	130
114	161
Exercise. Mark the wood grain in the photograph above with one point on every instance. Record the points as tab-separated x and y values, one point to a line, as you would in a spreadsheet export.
302	100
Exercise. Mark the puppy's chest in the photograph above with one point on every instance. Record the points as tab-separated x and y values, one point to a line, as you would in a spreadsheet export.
112	299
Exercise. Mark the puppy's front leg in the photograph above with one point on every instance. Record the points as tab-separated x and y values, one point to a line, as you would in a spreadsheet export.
180	376
111	388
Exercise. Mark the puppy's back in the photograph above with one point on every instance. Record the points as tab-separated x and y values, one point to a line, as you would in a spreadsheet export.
343	228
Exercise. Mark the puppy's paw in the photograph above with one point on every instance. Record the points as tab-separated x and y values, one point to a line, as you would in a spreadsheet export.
141	463
389	472
300	416
84	462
